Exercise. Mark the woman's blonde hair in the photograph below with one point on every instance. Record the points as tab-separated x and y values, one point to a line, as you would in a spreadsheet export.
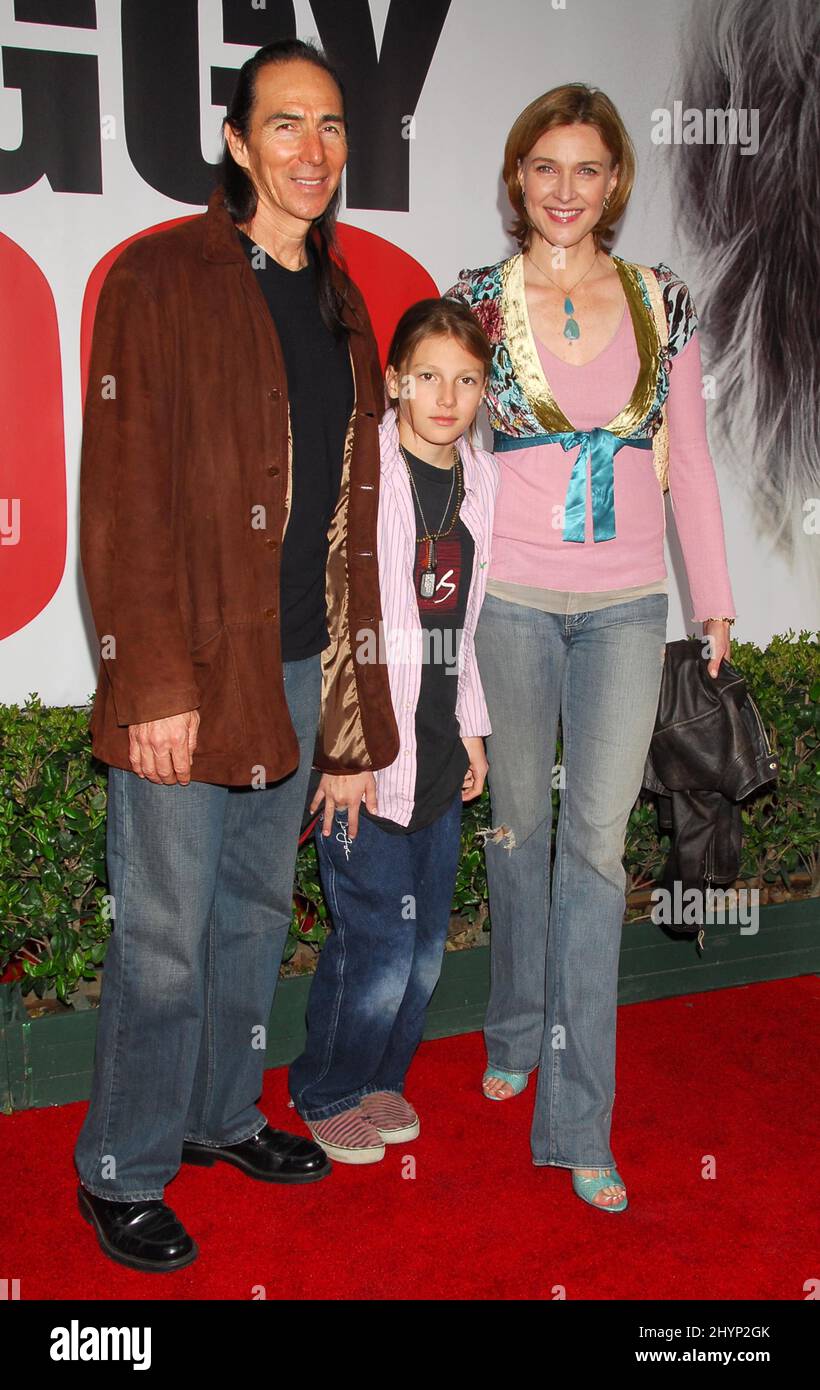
572	104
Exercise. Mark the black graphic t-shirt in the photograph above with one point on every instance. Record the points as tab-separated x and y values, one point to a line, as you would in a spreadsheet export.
442	758
320	392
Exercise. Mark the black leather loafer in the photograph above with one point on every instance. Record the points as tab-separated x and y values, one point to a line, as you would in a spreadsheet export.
144	1235
271	1155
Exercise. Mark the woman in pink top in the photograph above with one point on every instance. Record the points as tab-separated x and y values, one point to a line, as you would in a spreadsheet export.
595	400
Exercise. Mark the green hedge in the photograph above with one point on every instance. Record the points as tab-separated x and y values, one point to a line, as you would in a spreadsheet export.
53	906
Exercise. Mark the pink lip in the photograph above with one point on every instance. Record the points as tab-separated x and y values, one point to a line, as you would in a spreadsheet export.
577	212
444	419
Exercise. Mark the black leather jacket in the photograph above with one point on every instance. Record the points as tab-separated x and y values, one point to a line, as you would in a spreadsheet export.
708	753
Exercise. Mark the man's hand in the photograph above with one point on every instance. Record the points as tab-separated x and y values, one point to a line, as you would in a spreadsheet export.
349	792
474	777
163	749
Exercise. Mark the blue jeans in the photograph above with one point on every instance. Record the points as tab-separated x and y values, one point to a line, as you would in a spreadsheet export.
555	948
389	897
202	878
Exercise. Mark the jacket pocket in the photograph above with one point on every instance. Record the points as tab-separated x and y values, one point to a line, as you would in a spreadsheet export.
221	721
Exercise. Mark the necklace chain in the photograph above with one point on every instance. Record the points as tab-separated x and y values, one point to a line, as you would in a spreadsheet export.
456	478
572	331
565	292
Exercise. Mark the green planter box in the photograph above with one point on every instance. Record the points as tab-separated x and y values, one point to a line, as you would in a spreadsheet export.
48	1061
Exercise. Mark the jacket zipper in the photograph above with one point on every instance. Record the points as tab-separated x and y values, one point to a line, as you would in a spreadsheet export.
707	879
760	724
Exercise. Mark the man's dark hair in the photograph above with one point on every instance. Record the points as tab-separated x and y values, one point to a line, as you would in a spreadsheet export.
240	194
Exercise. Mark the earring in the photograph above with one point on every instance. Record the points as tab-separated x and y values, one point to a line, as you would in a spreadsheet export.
606	201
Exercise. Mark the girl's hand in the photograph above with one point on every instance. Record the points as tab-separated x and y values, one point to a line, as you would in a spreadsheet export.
348	792
717	630
474	777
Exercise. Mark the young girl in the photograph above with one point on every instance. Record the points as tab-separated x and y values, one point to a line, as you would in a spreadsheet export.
389	841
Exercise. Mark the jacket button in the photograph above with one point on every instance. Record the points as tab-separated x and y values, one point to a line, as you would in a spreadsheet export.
269	613
274	393
271	544
273	471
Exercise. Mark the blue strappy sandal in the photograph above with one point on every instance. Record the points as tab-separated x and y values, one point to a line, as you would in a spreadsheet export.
588	1188
519	1080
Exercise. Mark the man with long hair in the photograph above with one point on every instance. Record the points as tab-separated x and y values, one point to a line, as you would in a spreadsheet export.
229	494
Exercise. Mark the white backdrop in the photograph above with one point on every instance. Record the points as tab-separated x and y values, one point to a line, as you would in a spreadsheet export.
491	59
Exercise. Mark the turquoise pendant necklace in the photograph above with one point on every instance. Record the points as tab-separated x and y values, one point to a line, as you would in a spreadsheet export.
571	330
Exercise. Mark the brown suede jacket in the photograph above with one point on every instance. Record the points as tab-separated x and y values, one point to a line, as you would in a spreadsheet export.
186	450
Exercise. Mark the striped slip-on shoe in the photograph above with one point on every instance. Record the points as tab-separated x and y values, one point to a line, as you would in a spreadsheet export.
395	1120
349	1137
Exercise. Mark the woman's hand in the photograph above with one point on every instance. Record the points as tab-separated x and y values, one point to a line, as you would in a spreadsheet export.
720	649
473	784
348	792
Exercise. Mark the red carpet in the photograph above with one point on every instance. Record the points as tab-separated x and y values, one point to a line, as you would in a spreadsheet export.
730	1074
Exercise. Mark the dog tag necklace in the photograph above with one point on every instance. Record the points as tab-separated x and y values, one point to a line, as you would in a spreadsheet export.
427	579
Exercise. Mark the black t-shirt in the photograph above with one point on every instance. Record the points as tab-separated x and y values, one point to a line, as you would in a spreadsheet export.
320	392
442	758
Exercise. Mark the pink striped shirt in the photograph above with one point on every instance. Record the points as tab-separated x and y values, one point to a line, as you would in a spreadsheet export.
402	640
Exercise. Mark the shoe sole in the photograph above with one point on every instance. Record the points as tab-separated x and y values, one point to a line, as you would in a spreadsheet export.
207	1160
342	1155
131	1261
597	1205
400	1136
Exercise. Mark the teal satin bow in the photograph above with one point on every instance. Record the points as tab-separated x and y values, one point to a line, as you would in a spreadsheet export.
597	448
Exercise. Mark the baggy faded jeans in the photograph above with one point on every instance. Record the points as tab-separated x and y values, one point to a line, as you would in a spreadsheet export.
555	945
202	879
389	897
